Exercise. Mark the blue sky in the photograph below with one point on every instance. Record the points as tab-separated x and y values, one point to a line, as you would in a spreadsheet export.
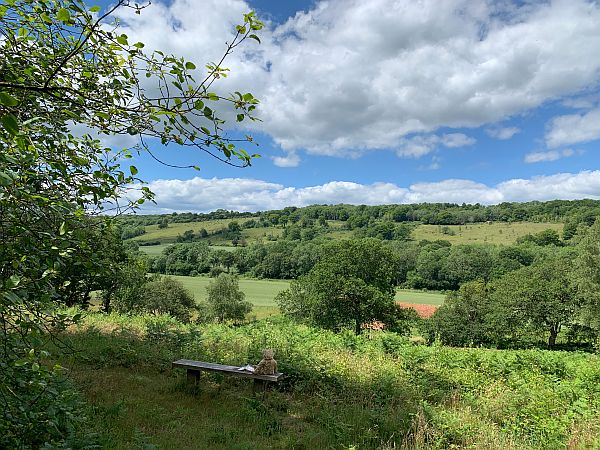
392	101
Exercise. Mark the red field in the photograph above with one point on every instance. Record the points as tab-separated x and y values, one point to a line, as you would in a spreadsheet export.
424	311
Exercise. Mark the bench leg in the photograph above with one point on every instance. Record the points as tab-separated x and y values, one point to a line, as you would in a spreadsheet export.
193	376
260	386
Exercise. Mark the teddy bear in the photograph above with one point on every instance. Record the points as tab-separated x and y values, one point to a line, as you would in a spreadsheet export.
267	365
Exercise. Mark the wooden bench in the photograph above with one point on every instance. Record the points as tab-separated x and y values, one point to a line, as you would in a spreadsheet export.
195	367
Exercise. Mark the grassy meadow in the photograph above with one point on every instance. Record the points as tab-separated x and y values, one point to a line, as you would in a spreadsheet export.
478	233
341	391
261	293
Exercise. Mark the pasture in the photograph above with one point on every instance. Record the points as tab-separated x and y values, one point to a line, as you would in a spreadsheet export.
480	233
477	233
261	293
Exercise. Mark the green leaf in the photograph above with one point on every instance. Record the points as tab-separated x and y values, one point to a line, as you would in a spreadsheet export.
94	9
63	228
240	117
133	170
190	65
255	37
13	281
8	100
63	15
122	39
10	124
139	45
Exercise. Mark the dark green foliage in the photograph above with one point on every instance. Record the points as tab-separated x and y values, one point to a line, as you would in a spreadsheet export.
161	295
48	413
546	237
352	285
128	231
181	259
542	297
464	318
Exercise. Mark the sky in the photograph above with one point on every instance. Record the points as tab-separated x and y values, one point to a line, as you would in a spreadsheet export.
390	101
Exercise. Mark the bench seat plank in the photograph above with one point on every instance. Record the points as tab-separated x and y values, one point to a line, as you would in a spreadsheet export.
229	370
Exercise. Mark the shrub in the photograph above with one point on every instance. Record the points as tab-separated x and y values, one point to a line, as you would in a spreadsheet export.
161	295
226	301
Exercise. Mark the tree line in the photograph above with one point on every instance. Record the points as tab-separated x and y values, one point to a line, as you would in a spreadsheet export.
572	212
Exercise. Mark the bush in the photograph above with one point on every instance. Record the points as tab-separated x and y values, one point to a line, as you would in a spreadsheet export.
226	301
157	296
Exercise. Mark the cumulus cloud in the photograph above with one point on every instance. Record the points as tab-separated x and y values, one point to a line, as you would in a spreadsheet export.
418	146
290	160
573	128
350	76
203	195
502	133
551	155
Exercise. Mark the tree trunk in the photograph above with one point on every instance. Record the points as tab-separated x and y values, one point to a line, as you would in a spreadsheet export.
357	328
554	329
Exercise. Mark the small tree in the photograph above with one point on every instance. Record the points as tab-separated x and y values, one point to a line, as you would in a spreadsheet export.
464	318
225	300
167	296
352	285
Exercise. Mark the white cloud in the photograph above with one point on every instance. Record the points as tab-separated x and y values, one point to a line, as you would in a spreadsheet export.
502	133
566	186
290	160
420	145
203	195
455	140
573	128
551	155
354	75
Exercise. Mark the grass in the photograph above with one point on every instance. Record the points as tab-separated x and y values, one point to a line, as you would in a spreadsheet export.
420	297
370	392
154	250
493	233
169	234
479	233
261	293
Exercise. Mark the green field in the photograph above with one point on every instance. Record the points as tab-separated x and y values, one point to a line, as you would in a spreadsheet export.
153	250
261	293
420	297
478	233
169	235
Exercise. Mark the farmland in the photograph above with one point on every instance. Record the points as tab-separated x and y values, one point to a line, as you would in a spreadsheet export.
477	233
261	293
480	233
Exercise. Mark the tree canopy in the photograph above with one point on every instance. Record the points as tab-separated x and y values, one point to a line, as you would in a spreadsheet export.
352	285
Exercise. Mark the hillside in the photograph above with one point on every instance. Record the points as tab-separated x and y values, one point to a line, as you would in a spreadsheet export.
340	391
479	233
